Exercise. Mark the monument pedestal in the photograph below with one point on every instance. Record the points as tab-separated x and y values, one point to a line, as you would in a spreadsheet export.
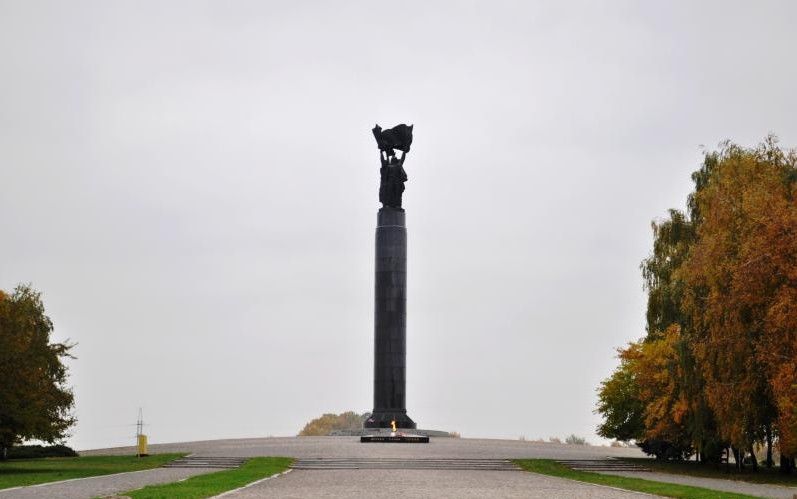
383	419
390	322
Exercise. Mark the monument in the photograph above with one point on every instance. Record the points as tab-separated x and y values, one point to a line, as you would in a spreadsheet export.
390	306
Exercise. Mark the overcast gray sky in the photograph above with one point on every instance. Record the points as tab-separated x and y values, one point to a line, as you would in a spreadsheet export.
193	187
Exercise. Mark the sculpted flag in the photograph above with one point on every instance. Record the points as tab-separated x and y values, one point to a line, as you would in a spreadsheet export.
399	137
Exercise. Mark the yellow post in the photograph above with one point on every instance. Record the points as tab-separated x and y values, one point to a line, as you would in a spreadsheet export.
142	445
393	424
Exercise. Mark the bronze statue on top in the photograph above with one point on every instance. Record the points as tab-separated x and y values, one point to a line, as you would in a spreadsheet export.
392	172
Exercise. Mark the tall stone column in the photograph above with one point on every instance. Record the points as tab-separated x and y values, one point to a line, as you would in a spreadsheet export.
390	321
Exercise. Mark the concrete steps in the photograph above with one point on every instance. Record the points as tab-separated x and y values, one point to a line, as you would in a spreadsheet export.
403	464
599	465
206	462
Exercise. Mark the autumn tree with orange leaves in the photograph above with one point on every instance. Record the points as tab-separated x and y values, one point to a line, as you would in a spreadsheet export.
718	365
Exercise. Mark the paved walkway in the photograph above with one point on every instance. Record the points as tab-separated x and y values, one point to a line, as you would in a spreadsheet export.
426	483
85	488
738	486
378	483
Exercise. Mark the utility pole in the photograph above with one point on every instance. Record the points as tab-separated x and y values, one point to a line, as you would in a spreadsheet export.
141	439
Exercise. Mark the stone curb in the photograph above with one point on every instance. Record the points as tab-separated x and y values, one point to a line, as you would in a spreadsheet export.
598	484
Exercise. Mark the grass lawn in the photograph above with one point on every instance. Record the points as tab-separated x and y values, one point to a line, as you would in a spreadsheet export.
550	467
16	472
763	475
214	483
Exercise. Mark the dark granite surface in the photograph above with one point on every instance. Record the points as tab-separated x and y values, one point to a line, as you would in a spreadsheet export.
390	321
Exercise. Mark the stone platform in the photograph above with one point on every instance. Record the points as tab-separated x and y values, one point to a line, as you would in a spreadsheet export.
350	447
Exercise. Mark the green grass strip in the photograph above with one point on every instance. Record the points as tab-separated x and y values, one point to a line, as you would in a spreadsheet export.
212	484
721	471
552	468
21	472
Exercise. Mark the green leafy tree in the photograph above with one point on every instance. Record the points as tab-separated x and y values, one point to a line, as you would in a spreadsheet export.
673	240
619	403
35	402
654	396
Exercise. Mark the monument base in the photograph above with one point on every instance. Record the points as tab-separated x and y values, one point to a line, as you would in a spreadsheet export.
370	431
385	419
400	438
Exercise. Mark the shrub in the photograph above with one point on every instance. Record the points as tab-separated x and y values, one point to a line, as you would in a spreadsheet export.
665	451
38	451
329	422
575	440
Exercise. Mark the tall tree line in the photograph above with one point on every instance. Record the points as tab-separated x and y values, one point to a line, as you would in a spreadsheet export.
717	367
